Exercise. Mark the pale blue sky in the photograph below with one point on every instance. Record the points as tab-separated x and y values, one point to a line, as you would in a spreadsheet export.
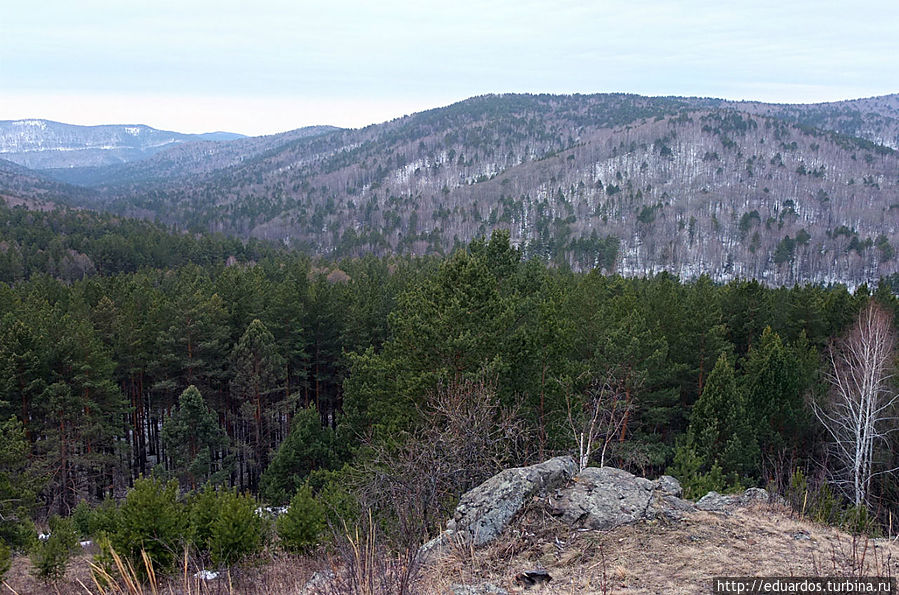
272	65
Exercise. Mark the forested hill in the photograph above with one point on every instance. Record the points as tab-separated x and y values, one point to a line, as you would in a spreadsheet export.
71	245
781	193
44	144
284	374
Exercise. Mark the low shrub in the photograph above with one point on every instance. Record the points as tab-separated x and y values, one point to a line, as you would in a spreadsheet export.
301	527
5	559
50	556
237	531
153	520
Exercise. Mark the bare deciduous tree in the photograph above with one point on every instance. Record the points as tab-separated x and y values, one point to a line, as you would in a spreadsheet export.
596	417
861	410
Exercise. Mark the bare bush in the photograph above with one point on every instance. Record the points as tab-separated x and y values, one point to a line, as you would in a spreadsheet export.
466	438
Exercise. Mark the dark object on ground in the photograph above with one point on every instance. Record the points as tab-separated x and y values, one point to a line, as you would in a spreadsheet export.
529	578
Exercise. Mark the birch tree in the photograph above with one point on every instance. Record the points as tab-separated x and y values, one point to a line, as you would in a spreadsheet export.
860	413
595	418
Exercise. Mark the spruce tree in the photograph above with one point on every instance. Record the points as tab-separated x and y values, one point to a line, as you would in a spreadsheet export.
775	378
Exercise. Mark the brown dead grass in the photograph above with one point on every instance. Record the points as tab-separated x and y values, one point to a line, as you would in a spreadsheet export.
665	557
272	574
653	557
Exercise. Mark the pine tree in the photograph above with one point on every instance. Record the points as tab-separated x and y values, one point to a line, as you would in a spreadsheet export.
18	485
257	377
196	445
453	324
23	371
722	430
83	409
774	384
308	447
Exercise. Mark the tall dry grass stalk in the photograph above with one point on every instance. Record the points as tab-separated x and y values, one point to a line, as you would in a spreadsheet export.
125	580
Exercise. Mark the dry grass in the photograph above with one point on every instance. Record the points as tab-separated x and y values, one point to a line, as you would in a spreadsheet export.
658	557
655	557
271	574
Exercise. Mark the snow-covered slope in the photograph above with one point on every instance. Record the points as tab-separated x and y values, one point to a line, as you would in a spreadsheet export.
42	144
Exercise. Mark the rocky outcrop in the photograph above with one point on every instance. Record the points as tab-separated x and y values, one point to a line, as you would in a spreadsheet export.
485	511
605	498
600	498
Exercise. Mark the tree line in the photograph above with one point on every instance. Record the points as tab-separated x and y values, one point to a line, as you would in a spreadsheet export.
281	373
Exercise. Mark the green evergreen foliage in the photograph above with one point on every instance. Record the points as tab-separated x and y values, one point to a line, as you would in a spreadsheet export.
193	438
83	518
308	447
237	531
722	430
202	510
303	362
858	520
301	527
224	526
332	490
775	379
104	517
696	477
73	244
817	502
257	375
5	559
50	556
18	486
151	519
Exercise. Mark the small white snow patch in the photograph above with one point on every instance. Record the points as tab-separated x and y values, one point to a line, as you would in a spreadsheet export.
132	130
274	511
38	123
207	575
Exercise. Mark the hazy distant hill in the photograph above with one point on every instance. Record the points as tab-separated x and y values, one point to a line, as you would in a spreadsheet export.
20	185
784	193
186	159
42	144
875	118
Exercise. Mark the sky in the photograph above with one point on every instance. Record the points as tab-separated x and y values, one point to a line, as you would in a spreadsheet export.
266	66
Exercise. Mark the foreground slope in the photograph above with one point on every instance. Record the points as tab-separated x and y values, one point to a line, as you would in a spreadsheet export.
658	557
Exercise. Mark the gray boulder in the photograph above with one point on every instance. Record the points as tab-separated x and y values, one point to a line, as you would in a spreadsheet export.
484	512
604	498
715	502
320	583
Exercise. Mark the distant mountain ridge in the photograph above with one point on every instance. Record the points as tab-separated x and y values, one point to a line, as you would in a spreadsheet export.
185	159
43	144
625	183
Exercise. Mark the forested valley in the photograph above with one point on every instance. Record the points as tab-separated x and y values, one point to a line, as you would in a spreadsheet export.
384	387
